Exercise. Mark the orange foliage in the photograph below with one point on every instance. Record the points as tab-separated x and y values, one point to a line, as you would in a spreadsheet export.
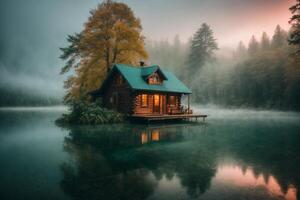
111	35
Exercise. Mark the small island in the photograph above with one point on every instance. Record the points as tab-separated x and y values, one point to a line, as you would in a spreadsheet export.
104	92
109	81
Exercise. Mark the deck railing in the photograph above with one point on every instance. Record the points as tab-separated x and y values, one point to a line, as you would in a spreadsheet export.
183	110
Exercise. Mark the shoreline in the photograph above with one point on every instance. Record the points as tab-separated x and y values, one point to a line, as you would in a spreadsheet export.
34	108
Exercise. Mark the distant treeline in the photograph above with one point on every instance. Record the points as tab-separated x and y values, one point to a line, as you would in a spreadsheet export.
265	74
20	97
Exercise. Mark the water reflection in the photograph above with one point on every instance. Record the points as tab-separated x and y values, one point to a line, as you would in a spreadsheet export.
150	136
184	161
233	176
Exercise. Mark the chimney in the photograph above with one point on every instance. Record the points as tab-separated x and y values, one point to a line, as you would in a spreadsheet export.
142	63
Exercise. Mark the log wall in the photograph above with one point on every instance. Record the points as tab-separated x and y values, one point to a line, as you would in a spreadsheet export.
120	97
122	93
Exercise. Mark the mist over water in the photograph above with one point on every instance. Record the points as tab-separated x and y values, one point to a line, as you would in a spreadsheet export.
31	34
236	153
217	112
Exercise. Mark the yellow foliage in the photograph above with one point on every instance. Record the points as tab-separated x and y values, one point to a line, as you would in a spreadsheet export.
111	35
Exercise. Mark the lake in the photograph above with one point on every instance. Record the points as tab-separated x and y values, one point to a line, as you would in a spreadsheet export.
236	154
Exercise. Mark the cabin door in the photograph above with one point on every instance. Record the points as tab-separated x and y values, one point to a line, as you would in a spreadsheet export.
156	103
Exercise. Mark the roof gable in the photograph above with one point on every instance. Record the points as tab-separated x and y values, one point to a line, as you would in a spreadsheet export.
146	72
135	78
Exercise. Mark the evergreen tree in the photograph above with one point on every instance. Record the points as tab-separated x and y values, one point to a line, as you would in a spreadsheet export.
177	43
253	46
111	35
203	45
71	53
178	54
265	41
170	55
295	22
279	38
241	50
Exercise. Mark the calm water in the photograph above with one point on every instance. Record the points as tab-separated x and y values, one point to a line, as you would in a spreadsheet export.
237	154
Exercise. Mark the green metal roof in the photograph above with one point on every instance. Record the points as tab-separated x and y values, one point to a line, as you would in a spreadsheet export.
134	76
147	71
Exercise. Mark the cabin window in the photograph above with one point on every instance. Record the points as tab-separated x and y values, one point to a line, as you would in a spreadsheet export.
154	79
172	100
144	99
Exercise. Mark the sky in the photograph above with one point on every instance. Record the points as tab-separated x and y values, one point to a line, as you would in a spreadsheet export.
231	20
33	30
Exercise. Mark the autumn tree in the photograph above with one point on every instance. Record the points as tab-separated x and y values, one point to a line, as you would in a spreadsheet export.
295	22
111	35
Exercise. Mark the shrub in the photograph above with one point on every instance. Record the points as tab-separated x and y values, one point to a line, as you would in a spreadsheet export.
82	112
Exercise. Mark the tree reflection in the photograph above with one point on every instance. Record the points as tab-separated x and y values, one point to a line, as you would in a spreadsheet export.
128	162
92	174
268	148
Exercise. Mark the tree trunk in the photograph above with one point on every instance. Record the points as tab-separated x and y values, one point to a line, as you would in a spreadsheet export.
107	60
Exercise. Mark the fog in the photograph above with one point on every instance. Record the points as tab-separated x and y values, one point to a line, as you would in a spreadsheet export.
32	32
217	112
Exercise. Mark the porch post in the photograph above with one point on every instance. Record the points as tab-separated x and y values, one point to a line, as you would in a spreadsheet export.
188	103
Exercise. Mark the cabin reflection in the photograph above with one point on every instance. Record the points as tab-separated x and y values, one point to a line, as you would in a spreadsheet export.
124	160
119	137
117	164
155	135
150	134
144	137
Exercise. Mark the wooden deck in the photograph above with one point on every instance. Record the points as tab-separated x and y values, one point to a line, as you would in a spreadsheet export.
149	118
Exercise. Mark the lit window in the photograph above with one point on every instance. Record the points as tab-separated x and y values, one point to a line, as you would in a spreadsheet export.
156	100
154	79
144	100
150	80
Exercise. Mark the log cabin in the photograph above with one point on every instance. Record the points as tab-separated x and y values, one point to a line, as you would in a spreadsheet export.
144	90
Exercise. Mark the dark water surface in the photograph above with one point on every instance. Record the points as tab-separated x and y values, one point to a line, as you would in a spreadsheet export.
236	155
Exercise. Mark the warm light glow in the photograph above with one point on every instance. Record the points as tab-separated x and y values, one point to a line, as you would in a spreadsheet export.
156	99
155	135
144	100
154	79
144	138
